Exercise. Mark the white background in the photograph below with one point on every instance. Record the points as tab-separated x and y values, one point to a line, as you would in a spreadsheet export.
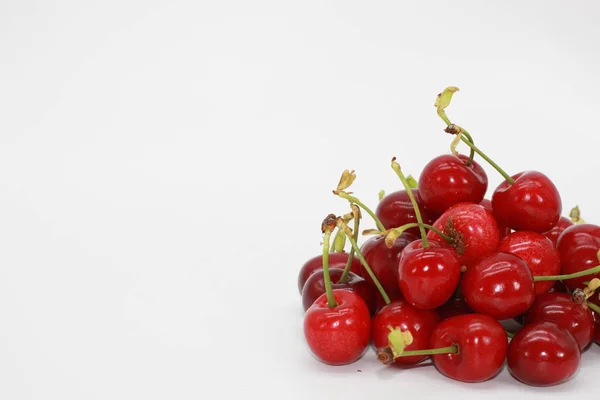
165	167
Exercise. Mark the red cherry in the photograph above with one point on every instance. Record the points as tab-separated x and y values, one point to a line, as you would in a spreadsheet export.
504	230
499	285
384	261
537	251
338	335
482	345
428	277
395	209
474	229
543	354
400	314
315	287
336	260
453	307
447	180
554	232
531	203
578	247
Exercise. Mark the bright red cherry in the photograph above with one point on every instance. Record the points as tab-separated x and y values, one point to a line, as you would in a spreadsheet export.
447	180
315	287
336	260
554	232
500	285
504	230
482	344
537	251
338	335
474	229
578	247
543	354
395	209
400	314
428	277
560	309
530	203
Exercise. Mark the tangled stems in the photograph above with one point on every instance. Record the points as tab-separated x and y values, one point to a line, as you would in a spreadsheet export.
357	216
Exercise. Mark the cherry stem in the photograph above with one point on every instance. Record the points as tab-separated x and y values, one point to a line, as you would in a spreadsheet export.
356	212
442	350
398	170
331	303
464	138
590	271
594	307
472	153
426	226
364	262
509	334
354	200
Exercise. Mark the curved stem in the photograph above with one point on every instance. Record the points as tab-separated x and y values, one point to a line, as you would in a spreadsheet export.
426	226
472	153
344	277
594	307
326	277
486	158
589	271
442	350
353	199
396	167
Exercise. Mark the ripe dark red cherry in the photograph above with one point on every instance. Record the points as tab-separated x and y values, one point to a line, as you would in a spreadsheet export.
474	229
336	260
500	285
338	335
504	230
560	309
453	307
428	277
395	209
315	287
482	345
578	246
543	354
400	314
531	203
537	251
554	232
447	180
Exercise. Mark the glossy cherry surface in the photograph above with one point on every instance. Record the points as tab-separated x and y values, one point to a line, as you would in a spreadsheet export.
400	314
531	203
537	251
336	260
482	346
578	247
543	354
560	309
474	229
503	229
500	285
395	209
554	232
338	335
447	180
428	277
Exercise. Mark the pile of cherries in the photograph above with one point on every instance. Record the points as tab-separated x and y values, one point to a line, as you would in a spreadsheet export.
446	269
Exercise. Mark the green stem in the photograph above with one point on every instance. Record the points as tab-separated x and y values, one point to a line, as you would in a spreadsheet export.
594	307
472	153
486	158
590	271
326	277
344	277
509	334
396	167
353	199
442	350
426	226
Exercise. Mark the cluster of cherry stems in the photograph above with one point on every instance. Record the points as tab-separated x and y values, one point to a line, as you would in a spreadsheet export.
446	266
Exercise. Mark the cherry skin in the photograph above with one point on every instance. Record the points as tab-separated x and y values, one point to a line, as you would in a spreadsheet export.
447	180
500	285
474	229
384	261
338	335
543	354
531	203
453	307
554	232
315	287
336	260
395	209
400	314
428	277
504	230
560	309
482	346
537	251
578	246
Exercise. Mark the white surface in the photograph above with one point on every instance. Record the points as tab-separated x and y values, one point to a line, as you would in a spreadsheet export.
166	166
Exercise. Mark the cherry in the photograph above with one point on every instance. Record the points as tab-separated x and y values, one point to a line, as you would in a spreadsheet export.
336	260
428	277
453	307
504	230
315	287
554	232
395	209
447	180
537	251
500	285
338	335
543	354
578	247
400	314
560	309
530	203
473	229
